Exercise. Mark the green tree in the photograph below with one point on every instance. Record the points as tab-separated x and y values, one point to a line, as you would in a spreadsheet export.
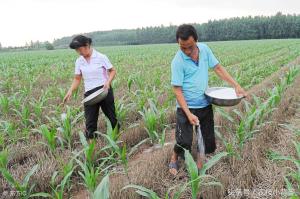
49	46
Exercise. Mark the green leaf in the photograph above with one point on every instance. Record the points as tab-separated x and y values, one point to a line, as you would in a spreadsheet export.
211	162
31	172
193	173
102	190
143	191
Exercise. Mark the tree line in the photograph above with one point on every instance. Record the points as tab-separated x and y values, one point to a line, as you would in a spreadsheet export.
278	26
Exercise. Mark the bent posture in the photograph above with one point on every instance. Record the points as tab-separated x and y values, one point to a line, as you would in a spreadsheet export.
189	78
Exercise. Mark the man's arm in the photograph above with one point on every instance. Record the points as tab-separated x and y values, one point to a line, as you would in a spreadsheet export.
224	75
183	105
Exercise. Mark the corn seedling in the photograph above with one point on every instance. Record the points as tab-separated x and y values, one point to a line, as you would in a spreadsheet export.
9	129
3	158
121	152
122	110
130	82
151	118
230	146
89	174
102	190
16	101
66	122
197	177
24	116
38	106
58	191
291	75
88	148
4	104
148	193
23	187
49	136
294	173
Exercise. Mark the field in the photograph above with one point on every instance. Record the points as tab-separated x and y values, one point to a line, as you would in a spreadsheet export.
43	151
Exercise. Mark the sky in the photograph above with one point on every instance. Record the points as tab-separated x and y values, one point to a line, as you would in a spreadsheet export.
45	20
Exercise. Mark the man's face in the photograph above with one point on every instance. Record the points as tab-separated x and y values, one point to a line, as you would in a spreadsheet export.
187	46
84	50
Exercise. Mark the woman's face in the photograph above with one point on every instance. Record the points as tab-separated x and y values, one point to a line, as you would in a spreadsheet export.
84	51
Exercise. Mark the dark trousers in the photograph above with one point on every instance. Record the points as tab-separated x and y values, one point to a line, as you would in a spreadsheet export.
91	112
184	130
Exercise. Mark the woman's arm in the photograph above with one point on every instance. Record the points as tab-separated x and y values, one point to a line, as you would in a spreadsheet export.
74	86
111	75
224	75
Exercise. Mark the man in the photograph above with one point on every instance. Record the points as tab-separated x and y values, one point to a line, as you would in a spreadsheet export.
189	78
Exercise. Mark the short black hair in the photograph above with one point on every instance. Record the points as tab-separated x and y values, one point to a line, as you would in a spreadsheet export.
80	41
184	31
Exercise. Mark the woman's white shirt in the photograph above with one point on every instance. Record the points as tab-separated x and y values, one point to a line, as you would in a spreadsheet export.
94	73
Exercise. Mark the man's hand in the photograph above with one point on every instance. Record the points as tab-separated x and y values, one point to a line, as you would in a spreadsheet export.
68	96
107	85
193	119
240	91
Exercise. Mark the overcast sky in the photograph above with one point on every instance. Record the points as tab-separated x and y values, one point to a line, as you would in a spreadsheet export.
25	20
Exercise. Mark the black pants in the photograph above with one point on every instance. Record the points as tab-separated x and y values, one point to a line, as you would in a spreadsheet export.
184	130
91	112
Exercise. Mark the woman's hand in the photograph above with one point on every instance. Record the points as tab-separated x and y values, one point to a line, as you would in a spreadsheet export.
68	96
107	85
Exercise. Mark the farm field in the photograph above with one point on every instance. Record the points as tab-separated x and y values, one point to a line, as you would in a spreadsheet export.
43	152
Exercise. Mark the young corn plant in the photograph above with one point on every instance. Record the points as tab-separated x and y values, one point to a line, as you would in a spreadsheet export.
130	81
293	174
291	75
24	116
3	158
89	174
24	189
58	191
244	129
102	190
152	119
88	149
66	128
38	106
198	178
67	120
122	110
148	193
10	130
292	179
120	151
49	136
16	100
4	104
230	146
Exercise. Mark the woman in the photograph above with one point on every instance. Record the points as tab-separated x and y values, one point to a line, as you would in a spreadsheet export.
97	72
